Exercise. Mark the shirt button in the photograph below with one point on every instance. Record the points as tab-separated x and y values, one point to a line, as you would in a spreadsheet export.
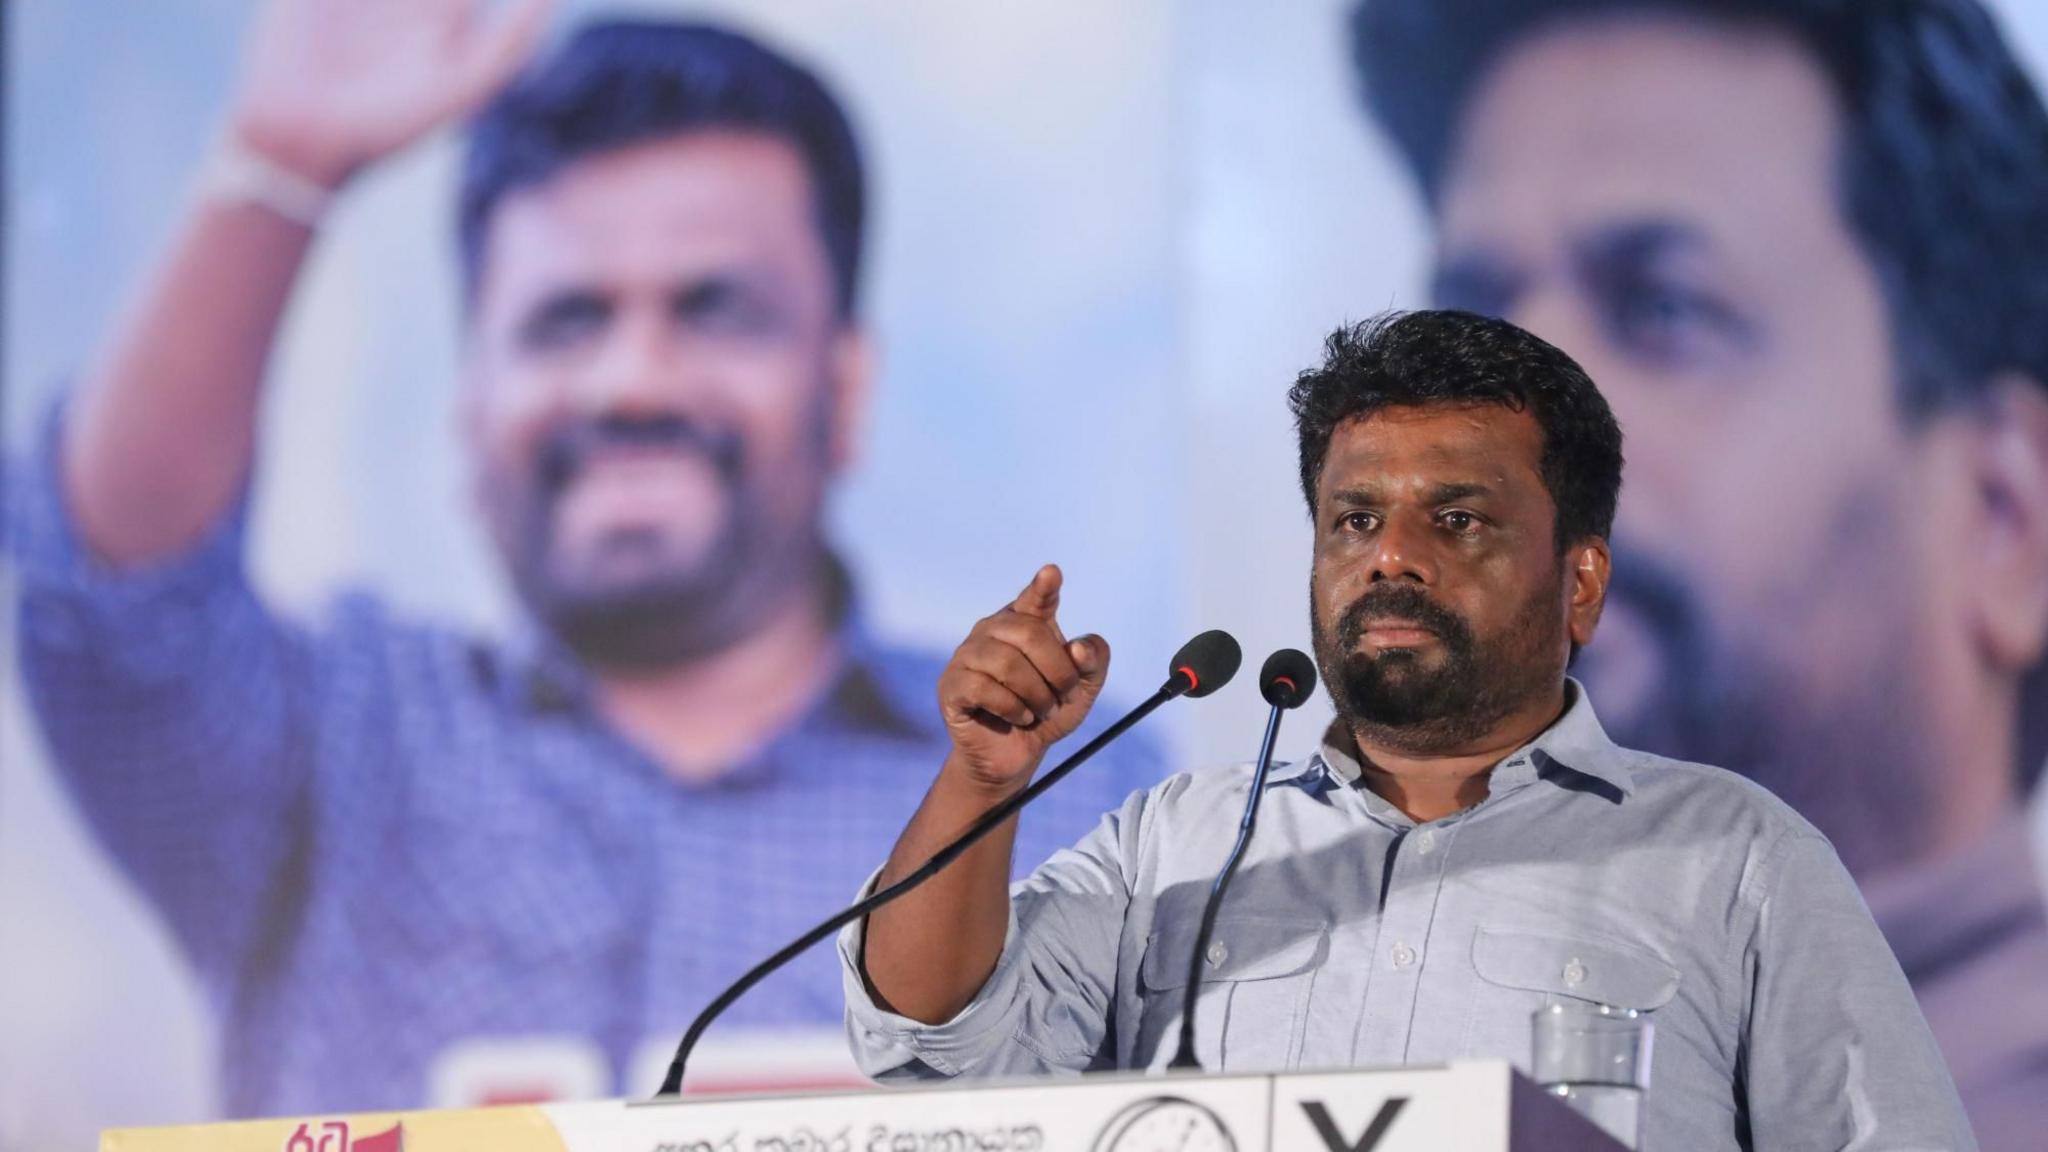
1426	843
1574	973
1403	955
1218	954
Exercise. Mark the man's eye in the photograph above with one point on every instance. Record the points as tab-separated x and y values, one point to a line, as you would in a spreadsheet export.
1653	308
727	308
562	324
1460	522
1357	521
1672	324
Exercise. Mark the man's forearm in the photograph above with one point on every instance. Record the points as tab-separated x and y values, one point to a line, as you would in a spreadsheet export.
928	954
161	438
1014	688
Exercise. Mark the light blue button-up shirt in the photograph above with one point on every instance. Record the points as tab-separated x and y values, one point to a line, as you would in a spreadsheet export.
1353	936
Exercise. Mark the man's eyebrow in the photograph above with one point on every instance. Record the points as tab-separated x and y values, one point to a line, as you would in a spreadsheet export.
569	301
1482	279
1475	280
1446	493
1359	496
1633	240
1355	497
709	290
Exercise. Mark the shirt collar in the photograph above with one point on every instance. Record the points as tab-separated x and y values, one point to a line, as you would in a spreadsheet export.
1574	746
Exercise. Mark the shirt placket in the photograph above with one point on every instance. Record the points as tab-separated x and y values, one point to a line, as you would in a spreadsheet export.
1414	883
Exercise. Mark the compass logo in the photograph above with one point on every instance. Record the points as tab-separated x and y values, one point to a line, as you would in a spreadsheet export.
1165	1124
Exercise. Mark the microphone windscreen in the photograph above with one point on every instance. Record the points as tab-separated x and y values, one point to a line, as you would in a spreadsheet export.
1287	679
1205	663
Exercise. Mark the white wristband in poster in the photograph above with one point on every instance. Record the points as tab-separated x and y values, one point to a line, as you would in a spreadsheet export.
234	174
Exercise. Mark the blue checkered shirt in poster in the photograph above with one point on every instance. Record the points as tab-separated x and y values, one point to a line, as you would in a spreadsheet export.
374	840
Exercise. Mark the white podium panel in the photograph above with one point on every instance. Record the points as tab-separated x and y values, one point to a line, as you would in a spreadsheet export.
1480	1106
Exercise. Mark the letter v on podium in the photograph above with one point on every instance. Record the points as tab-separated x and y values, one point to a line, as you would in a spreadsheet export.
1326	1127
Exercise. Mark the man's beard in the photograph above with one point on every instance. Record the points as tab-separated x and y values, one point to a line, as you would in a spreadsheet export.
671	608
1846	761
1400	700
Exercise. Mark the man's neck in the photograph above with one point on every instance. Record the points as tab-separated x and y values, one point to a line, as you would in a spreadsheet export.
701	719
1430	784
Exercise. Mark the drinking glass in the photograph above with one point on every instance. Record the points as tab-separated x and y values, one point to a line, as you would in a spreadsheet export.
1596	1058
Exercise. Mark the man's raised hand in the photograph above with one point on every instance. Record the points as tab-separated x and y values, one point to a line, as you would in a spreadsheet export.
332	86
1017	685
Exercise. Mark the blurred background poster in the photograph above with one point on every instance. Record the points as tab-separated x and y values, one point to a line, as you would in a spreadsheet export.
342	800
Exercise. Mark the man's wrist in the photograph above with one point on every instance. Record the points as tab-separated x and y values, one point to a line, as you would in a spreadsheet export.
237	174
962	784
296	151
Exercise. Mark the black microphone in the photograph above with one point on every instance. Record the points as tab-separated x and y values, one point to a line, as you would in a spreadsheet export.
1286	681
1205	664
1202	665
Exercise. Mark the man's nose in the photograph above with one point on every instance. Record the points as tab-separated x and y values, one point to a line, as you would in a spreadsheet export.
640	370
1404	553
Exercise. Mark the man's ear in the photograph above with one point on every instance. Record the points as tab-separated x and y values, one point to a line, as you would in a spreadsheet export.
1590	564
2009	574
851	366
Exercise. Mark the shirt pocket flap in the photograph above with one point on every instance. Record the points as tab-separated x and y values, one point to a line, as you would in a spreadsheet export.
1243	948
1603	972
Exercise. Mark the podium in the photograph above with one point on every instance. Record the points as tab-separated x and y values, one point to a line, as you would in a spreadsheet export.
1475	1106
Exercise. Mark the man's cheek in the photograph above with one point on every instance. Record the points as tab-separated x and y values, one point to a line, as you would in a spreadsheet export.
518	408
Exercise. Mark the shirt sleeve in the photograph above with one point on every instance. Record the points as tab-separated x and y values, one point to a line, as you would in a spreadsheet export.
1837	1054
1048	1007
1066	814
173	705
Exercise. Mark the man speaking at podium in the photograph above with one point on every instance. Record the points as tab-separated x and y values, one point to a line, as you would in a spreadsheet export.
1467	846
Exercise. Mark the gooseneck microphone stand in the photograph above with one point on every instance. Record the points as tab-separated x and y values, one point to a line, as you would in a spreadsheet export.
1203	665
1286	682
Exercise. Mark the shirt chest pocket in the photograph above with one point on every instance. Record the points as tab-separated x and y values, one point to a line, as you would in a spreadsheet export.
1252	997
1520	972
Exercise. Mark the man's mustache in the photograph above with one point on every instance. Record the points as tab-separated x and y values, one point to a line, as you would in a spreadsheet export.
1399	602
568	448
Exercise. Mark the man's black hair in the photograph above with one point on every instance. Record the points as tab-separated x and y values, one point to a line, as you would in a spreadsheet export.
1942	167
1448	358
1943	164
623	82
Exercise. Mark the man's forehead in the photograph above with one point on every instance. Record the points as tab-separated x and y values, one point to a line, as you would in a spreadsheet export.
1410	446
1642	118
673	204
